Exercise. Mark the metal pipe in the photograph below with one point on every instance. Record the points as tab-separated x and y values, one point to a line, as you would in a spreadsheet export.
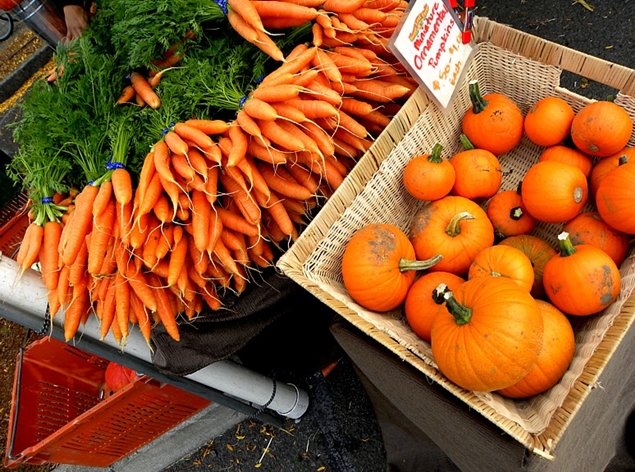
23	299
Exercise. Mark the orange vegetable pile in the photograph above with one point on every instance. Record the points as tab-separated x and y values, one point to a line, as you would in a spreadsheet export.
215	200
494	305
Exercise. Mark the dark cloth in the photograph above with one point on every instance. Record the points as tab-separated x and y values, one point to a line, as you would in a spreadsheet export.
216	336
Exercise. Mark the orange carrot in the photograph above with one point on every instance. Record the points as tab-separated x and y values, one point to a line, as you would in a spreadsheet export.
48	254
209	127
166	241
273	131
200	219
279	213
103	226
317	33
122	304
282	9
240	144
266	154
78	306
193	134
324	62
244	200
285	187
343	6
249	125
123	214
144	90
321	138
297	132
143	319
175	143
149	249
177	260
139	231
313	109
227	261
81	223
164	307
236	222
296	62
241	26
103	198
127	94
215	228
289	112
122	185
140	283
303	177
247	10
259	109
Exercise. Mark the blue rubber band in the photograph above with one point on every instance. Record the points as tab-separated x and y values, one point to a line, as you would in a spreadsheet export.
114	165
223	5
47	200
242	101
260	79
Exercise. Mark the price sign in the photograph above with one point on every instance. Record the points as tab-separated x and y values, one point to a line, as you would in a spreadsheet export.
429	43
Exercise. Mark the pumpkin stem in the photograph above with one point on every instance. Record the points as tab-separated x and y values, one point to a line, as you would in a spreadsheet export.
516	213
435	156
566	246
578	194
454	228
623	160
478	102
465	141
406	264
461	313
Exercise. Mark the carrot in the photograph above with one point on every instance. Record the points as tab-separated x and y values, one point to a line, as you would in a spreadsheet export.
209	127
213	153
236	222
313	109
140	283
343	6
127	94
259	109
273	131
149	249
164	307
62	284
162	209
277	93
239	147
279	213
139	231
122	304
247	10
103	226
324	62
224	256
356	142
286	187
241	26
211	298
182	167
175	143
244	200
356	107
215	228
303	177
123	214
122	185
289	112
266	154
200	219
78	306
351	125
200	259
317	34
352	22
281	9
143	319
48	254
327	27
194	134
80	225
249	125
211	185
199	162
373	89
248	167
177	260
144	90
296	62
166	241
103	198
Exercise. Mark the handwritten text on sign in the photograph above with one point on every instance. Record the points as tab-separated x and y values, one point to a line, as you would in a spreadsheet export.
430	42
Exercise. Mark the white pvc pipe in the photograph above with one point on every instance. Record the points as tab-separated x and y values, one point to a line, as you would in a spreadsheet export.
27	294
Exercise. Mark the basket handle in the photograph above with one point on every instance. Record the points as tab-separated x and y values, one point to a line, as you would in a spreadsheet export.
599	70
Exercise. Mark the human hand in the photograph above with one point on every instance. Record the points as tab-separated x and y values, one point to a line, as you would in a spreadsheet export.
76	18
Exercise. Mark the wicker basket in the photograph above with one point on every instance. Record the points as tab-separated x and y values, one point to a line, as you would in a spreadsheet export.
526	68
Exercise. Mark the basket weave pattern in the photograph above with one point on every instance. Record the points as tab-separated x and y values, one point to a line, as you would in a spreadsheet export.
374	193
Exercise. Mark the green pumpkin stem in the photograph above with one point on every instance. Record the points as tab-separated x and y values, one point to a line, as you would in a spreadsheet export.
478	102
435	155
467	144
516	213
462	314
566	246
406	264
454	228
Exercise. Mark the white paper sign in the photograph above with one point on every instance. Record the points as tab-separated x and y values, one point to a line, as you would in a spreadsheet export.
429	44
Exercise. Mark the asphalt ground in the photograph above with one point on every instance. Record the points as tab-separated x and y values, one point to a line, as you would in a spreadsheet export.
339	431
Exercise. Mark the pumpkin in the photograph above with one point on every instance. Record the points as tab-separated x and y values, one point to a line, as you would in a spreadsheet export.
118	376
491	337
615	198
455	228
601	128
539	253
590	228
558	348
494	122
503	261
508	214
420	306
568	155
378	266
429	176
554	192
606	165
581	280
478	172
548	121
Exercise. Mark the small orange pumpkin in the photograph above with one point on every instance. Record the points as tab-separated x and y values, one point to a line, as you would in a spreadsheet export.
601	128
378	266
615	198
582	280
494	122
554	192
548	121
492	336
539	253
590	228
503	261
508	214
421	307
455	228
478	172
429	176
606	165
558	348
568	155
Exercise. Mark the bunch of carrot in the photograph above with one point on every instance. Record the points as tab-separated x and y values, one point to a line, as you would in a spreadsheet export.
214	199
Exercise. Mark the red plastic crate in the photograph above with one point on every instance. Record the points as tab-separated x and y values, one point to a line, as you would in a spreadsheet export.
63	419
13	223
